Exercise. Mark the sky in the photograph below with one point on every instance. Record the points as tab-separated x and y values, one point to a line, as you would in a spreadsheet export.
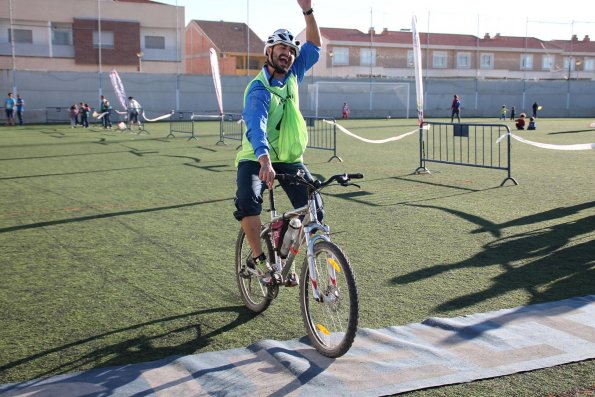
544	20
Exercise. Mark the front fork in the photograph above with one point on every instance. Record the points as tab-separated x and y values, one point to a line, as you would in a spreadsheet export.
312	237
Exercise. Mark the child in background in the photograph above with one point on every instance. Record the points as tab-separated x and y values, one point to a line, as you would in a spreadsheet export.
503	111
73	115
345	110
520	122
531	125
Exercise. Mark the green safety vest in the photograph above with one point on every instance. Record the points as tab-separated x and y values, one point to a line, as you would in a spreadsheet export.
287	133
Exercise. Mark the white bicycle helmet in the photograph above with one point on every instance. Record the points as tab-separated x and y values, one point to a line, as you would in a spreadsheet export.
283	36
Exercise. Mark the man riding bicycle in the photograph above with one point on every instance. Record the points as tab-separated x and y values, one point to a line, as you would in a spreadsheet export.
276	133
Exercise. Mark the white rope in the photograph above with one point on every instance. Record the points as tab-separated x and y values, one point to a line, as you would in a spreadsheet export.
394	138
99	116
163	117
204	116
578	146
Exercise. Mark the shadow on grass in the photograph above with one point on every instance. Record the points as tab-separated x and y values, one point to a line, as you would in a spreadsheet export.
137	349
79	172
360	196
195	160
558	259
569	132
63	155
108	215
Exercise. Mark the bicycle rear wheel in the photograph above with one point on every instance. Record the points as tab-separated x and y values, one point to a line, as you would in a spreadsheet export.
331	322
256	296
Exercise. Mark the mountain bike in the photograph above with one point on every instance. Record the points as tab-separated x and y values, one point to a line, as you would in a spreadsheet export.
327	291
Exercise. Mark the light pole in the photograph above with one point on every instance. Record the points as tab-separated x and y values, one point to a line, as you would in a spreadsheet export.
140	61
332	54
178	55
12	49
99	43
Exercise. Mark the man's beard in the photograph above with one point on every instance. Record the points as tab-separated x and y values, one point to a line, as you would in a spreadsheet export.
279	69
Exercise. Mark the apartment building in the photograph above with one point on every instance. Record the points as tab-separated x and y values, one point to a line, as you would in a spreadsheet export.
91	35
350	53
239	49
149	36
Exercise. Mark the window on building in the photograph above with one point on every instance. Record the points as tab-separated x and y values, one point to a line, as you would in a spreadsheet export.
547	62
589	64
410	59
155	42
569	63
439	59
341	56
526	61
20	35
367	57
61	34
107	39
486	61
463	60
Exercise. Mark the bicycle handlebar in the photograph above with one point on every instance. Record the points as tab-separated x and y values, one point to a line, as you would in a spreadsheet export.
341	179
355	176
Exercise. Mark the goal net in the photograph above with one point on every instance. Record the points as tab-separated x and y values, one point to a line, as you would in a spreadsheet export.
365	100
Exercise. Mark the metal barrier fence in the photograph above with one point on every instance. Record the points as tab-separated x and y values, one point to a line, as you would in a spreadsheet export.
61	115
232	127
321	135
182	122
468	144
57	114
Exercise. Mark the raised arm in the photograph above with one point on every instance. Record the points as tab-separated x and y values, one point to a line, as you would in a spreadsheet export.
312	31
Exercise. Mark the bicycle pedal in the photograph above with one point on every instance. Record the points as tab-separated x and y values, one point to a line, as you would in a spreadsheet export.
292	280
278	278
245	272
272	278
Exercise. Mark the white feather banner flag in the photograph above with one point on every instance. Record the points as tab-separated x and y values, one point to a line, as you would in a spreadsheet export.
216	78
118	87
419	85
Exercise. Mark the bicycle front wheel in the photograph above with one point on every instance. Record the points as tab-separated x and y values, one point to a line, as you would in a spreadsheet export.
330	321
256	296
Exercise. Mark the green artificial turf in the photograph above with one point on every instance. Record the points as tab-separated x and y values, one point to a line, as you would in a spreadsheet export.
118	248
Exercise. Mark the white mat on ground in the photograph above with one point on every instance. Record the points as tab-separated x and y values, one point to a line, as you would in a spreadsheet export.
385	361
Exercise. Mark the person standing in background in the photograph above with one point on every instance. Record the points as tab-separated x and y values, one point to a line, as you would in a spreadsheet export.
74	111
9	105
20	105
134	109
503	111
85	110
456	109
106	111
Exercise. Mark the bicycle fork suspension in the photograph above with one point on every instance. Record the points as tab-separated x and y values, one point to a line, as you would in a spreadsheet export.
312	266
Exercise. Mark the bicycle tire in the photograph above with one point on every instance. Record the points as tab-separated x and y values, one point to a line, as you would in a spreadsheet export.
332	323
256	297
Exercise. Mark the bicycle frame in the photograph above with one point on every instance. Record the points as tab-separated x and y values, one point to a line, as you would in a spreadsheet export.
328	291
310	232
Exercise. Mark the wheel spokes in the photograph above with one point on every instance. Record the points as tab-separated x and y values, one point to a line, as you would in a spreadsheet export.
330	321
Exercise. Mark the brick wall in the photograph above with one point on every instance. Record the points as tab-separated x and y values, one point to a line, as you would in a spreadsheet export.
126	42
